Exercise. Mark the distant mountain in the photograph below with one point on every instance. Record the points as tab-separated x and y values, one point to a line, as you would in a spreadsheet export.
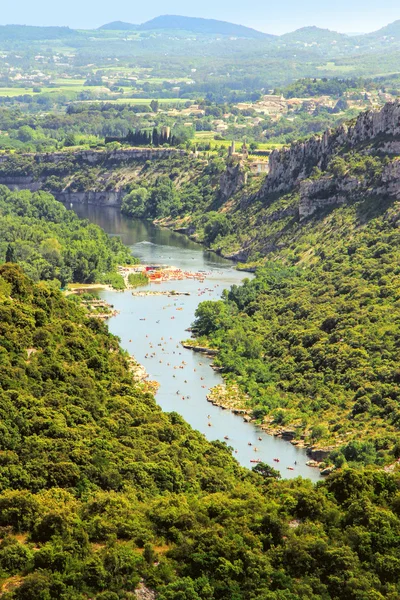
390	31
119	26
31	33
310	35
205	26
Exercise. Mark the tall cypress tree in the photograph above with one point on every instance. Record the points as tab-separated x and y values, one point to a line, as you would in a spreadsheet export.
156	141
10	254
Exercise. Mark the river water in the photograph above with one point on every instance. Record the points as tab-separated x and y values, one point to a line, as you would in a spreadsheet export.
158	324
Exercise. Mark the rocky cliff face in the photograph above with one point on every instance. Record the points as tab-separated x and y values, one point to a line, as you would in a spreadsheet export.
324	192
95	157
327	190
232	180
109	198
288	167
101	198
108	161
16	184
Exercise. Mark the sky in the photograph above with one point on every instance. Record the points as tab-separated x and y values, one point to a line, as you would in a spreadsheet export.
271	16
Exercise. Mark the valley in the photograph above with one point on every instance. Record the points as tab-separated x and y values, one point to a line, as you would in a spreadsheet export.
199	310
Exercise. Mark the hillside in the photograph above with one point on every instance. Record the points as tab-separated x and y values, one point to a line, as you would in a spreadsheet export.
101	492
202	26
388	33
304	339
32	33
314	35
52	244
313	339
118	26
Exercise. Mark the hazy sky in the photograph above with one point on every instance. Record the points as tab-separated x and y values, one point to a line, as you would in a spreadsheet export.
267	15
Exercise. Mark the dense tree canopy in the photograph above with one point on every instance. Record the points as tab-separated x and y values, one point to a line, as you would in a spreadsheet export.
313	338
99	488
52	243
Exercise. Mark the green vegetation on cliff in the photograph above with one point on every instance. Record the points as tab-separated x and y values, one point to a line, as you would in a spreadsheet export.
99	488
313	339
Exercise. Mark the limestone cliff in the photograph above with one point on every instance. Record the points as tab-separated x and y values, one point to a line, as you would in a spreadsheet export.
107	188
232	180
326	191
288	167
94	157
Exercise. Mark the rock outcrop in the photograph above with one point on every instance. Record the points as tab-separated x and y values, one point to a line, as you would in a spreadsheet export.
84	159
328	190
107	198
325	191
232	180
319	454
288	167
95	157
101	198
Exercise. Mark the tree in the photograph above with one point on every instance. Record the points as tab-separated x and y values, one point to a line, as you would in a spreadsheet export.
135	204
26	134
164	199
70	140
209	316
10	254
266	471
216	224
183	589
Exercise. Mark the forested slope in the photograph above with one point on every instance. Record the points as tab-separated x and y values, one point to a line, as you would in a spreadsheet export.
53	244
314	339
99	488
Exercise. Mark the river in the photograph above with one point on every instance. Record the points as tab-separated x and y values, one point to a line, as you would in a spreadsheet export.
158	324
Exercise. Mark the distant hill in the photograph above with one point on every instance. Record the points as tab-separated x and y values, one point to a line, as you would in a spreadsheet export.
28	32
390	31
205	26
119	26
309	35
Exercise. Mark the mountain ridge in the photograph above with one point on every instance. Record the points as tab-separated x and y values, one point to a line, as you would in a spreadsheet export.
313	33
201	25
118	26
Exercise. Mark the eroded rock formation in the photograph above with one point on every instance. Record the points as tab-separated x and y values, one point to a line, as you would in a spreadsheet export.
288	167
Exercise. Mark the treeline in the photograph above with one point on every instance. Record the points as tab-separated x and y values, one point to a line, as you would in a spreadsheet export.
90	125
336	86
52	244
155	137
100	490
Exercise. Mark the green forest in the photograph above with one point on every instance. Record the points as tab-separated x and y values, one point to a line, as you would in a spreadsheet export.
100	490
52	244
313	339
103	496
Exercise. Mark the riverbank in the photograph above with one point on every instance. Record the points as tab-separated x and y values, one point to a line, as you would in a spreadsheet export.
153	326
158	273
141	376
169	294
239	257
76	288
229	397
210	352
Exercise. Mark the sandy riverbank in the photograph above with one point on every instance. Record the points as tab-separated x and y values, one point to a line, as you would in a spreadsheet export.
75	288
159	274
